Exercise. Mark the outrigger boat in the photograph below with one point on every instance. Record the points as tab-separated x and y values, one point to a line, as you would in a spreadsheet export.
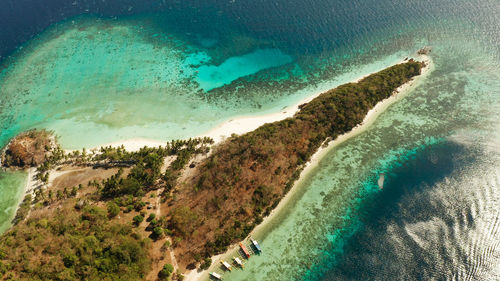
238	262
215	275
226	265
245	251
256	245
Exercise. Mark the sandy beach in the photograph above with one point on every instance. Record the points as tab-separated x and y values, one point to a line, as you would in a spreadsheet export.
370	117
245	124
31	183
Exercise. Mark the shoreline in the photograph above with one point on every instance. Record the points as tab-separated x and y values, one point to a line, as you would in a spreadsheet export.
368	120
238	124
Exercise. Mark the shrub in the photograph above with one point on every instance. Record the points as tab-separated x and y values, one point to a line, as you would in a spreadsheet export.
158	232
70	260
138	219
139	206
183	220
113	210
73	191
206	263
166	271
129	208
151	217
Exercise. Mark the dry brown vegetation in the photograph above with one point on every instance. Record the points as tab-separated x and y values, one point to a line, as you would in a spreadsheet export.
29	149
246	176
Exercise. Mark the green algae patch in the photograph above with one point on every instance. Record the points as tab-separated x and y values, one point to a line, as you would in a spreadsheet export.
12	185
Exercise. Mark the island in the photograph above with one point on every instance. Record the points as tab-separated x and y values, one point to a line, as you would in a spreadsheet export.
159	212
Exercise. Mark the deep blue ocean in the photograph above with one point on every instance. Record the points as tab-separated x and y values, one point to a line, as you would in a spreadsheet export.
438	214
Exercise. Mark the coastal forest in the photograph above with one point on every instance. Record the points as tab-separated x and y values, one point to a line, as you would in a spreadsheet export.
112	214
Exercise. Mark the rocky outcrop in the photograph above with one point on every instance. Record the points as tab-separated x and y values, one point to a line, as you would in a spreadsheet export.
424	51
29	149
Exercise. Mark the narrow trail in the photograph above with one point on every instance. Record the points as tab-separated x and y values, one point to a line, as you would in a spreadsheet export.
172	257
169	239
158	198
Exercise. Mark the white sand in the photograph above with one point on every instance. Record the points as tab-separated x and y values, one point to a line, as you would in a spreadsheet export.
245	124
370	117
197	274
31	183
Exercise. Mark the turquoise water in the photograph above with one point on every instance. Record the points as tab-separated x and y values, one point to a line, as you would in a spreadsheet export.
440	188
179	70
437	216
132	81
212	76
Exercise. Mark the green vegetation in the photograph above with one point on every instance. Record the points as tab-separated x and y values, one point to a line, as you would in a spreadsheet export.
151	217
113	209
81	245
207	262
146	165
157	232
118	156
138	219
166	271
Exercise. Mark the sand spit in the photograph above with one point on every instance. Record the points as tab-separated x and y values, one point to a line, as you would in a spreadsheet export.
369	119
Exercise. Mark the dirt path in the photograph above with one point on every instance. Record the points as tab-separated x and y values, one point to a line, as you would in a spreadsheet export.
172	256
158	198
169	239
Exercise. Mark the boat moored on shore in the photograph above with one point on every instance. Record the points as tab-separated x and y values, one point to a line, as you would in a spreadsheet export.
215	276
256	245
245	251
238	262
226	265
